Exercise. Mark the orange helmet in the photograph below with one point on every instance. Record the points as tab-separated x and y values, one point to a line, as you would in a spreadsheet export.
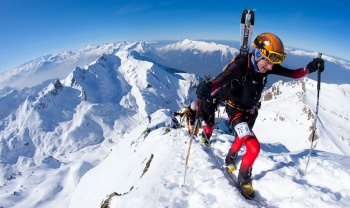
270	47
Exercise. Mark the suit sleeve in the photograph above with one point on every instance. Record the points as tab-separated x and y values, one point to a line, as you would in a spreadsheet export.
291	73
233	71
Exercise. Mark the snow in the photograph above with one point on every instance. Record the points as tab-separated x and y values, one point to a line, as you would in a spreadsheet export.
107	127
279	180
200	47
328	58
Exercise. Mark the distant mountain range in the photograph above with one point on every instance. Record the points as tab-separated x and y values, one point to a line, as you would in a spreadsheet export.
197	57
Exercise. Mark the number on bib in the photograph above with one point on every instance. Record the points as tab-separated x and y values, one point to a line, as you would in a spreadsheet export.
242	130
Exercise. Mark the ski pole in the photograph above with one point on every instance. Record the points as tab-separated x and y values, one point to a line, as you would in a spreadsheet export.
317	104
189	149
199	110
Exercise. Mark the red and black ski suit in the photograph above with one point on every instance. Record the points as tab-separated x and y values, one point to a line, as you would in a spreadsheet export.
243	102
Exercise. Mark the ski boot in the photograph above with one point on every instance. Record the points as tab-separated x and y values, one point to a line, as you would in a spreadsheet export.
230	162
205	141
246	186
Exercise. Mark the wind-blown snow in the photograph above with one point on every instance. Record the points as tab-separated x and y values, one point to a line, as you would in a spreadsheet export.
104	128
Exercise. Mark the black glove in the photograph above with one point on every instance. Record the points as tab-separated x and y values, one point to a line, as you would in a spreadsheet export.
178	114
317	63
204	90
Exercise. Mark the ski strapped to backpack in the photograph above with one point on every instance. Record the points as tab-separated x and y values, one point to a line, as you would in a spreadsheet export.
247	26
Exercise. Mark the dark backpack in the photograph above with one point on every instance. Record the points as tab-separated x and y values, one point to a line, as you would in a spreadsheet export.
245	91
226	90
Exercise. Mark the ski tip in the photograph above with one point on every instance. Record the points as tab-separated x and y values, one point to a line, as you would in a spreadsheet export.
248	13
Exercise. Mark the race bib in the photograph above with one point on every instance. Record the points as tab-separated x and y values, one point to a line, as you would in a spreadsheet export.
242	130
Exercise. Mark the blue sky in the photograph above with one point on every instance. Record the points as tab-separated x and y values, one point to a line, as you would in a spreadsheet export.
33	28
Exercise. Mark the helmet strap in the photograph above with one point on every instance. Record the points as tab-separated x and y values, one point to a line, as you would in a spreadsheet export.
255	61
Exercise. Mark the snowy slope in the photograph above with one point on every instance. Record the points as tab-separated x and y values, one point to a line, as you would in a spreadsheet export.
72	141
147	170
289	109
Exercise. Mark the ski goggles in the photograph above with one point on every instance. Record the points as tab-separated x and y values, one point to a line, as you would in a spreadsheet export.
271	56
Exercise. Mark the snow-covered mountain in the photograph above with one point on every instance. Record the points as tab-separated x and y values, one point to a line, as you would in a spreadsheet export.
91	107
56	66
107	126
198	57
119	86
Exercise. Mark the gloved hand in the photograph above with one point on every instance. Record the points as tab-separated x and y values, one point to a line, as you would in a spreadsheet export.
317	63
204	90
